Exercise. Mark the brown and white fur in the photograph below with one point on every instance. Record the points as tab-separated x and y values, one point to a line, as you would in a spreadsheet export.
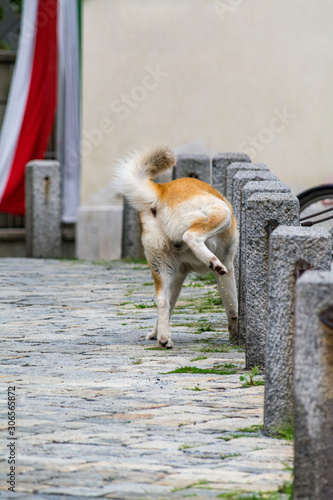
187	226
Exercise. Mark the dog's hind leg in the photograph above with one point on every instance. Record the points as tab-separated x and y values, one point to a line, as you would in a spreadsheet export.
174	291
226	285
218	220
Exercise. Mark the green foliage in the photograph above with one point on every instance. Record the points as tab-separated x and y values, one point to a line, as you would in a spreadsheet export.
17	4
248	380
145	306
284	432
208	279
227	370
137	362
196	388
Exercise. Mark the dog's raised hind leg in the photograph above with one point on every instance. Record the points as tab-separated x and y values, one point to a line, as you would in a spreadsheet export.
196	243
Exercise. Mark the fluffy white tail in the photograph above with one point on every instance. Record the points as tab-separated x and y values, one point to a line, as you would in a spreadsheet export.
132	177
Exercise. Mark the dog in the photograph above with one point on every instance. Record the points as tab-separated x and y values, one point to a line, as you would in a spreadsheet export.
186	226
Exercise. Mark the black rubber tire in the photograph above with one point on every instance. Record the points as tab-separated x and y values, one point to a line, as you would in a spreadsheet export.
317	193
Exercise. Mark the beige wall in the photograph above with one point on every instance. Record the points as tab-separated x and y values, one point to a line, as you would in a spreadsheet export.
209	76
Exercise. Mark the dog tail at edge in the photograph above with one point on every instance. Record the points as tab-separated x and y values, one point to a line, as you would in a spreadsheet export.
132	176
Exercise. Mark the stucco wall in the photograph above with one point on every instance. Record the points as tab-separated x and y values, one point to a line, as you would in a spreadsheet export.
209	76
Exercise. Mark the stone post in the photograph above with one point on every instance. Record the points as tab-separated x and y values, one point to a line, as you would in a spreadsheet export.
314	387
43	208
219	167
239	181
248	190
292	250
131	238
233	169
197	166
264	212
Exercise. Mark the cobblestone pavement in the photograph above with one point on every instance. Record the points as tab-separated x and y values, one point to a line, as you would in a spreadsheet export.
97	414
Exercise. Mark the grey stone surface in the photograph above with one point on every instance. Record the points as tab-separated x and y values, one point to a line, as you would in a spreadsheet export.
197	166
313	387
131	235
237	167
240	179
291	250
43	208
99	232
262	210
220	163
98	414
251	188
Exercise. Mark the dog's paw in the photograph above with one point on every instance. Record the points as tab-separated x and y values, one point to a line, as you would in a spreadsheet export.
217	267
152	335
165	342
233	329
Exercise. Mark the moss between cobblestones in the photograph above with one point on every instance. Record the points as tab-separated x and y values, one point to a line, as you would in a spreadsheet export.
285	492
227	370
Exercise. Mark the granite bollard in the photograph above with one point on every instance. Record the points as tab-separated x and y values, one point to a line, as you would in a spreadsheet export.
220	163
131	236
196	166
292	250
239	181
43	208
313	387
250	189
264	212
233	169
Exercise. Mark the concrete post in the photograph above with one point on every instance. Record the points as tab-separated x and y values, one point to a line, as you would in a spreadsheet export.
233	169
264	212
197	166
314	387
98	232
43	208
292	250
131	238
248	190
219	167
